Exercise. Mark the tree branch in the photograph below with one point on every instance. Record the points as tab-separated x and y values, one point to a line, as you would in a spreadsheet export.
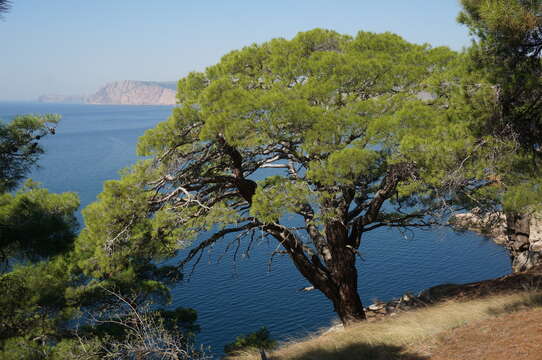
213	239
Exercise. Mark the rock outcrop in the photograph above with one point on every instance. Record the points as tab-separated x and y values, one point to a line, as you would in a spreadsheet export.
520	234
492	225
524	240
134	93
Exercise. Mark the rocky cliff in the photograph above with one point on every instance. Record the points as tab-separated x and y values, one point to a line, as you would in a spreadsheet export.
129	92
126	92
521	235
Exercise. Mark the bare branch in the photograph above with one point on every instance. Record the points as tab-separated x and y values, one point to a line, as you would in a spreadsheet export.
213	239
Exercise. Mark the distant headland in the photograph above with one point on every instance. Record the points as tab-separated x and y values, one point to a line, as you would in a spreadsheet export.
126	92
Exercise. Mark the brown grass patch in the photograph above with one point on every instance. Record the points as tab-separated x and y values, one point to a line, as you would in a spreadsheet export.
516	336
413	335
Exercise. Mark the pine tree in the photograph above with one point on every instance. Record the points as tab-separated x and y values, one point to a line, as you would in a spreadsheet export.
352	138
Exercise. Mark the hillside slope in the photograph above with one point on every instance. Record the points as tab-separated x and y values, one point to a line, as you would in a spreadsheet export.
516	336
501	327
495	319
125	92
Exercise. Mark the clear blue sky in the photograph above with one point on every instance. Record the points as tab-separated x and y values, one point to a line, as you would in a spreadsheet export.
75	46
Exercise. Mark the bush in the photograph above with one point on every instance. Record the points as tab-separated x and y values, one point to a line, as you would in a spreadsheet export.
260	339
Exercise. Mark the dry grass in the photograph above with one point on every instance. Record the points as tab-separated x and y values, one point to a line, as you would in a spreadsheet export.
396	337
515	336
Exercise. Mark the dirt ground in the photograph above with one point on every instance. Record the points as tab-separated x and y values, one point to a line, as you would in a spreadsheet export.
516	336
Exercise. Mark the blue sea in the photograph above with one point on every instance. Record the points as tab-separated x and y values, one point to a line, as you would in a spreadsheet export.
94	142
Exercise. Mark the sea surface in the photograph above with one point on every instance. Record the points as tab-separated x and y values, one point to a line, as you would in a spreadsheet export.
237	296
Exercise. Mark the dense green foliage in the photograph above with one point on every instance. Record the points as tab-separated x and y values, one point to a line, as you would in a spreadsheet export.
19	148
48	286
130	239
259	340
34	308
35	224
37	229
507	54
504	64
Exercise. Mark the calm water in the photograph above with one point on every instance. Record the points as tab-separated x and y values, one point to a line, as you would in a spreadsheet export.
94	142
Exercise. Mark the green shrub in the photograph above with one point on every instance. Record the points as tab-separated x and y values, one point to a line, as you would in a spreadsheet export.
260	339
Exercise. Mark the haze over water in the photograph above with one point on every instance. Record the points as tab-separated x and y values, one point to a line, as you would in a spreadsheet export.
94	142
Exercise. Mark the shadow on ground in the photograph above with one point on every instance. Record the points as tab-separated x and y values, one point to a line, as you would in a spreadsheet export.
361	352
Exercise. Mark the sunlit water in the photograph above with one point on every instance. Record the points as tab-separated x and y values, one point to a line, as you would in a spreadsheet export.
234	297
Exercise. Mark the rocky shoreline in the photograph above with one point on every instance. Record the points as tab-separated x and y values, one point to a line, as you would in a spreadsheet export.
521	235
492	225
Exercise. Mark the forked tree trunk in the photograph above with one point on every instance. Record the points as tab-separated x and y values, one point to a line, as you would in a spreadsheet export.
340	283
342	289
339	279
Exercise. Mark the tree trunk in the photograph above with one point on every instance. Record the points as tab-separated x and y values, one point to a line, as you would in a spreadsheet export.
344	275
338	279
347	303
341	288
339	282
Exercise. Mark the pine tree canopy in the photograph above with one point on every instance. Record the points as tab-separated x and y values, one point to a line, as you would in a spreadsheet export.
506	58
340	135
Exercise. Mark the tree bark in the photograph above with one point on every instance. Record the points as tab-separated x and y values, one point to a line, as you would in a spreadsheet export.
341	287
344	275
339	282
347	303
